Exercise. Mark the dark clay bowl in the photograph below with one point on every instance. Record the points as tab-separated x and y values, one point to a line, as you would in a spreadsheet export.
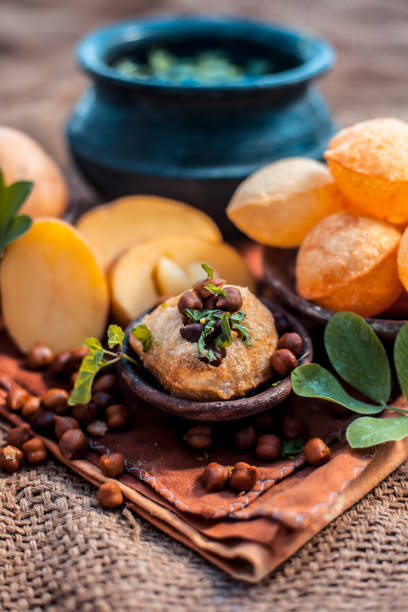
279	272
145	387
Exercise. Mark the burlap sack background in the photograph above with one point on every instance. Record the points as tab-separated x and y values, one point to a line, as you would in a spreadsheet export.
58	549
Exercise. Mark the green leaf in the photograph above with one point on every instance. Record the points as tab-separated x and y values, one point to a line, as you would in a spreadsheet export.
93	344
90	366
243	334
367	431
142	333
358	355
209	271
19	226
203	351
225	337
197	315
291	448
237	317
215	290
311	380
401	358
15	195
12	198
116	335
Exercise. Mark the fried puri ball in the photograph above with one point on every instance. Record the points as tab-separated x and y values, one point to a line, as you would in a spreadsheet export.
403	261
280	203
369	163
348	262
175	364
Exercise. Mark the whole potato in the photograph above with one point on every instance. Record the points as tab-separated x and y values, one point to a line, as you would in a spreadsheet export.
21	158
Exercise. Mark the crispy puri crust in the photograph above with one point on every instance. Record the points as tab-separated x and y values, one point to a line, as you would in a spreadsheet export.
174	362
340	249
378	147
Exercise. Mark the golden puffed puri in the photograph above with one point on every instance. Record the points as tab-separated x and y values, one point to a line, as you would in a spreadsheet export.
175	364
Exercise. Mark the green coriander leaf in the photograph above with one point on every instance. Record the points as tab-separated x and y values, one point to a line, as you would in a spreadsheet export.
116	335
291	448
203	351
311	380
243	334
209	271
367	431
197	315
19	226
401	358
225	337
215	290
93	344
90	366
142	333
237	317
358	355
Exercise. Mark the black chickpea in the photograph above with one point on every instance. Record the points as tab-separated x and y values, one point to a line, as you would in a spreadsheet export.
243	476
283	361
199	437
291	427
215	476
39	357
232	302
55	400
16	398
291	341
245	438
317	452
189	299
18	435
73	444
268	447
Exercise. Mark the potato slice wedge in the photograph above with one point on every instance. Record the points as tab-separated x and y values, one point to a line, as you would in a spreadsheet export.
52	288
114	227
133	282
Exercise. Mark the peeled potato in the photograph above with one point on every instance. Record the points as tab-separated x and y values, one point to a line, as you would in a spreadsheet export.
280	203
134	281
369	163
21	158
112	228
52	288
348	262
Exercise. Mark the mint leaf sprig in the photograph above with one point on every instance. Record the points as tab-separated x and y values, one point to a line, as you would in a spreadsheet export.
359	358
209	285
98	358
229	323
12	198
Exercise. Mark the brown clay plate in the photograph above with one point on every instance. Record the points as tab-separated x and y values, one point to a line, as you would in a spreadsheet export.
279	272
142	384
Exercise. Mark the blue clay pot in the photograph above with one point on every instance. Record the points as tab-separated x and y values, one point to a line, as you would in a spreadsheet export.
195	142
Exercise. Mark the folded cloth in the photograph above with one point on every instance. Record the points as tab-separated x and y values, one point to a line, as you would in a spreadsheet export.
246	534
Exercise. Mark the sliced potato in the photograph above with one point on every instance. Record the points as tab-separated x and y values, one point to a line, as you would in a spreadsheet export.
52	288
133	278
112	228
21	158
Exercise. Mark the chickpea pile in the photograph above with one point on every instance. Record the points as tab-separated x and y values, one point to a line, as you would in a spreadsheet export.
258	438
51	414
